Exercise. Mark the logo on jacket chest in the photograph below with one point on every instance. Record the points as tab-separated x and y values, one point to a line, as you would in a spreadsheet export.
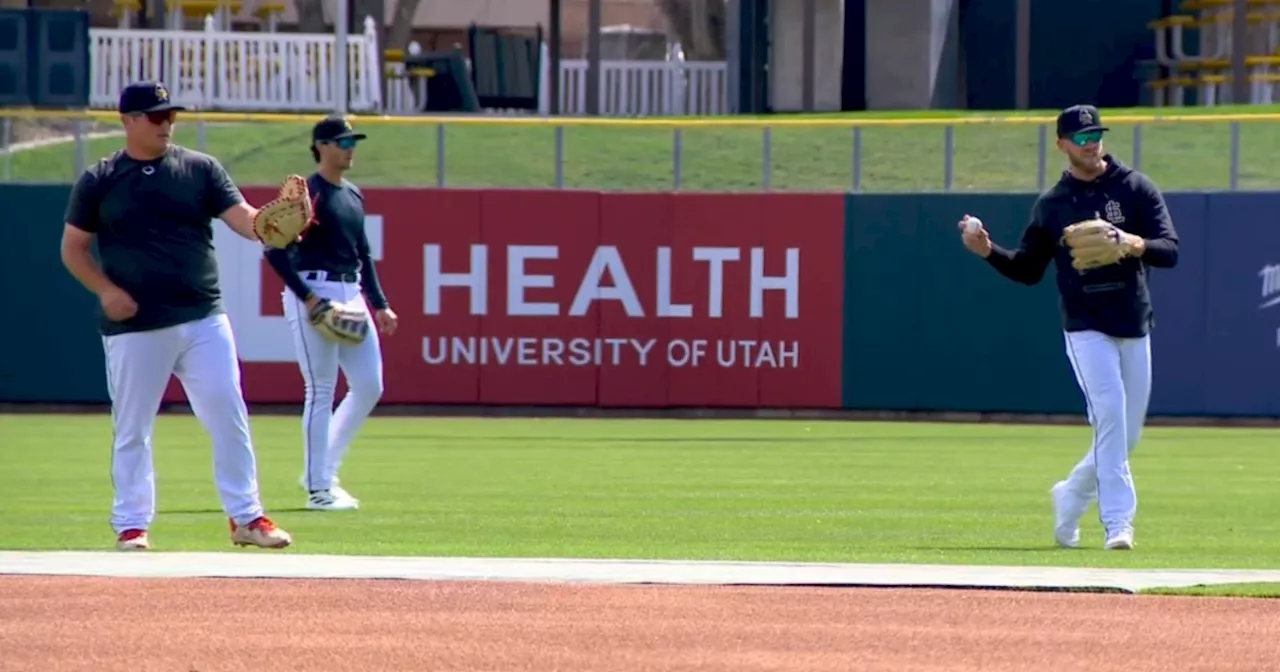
1112	212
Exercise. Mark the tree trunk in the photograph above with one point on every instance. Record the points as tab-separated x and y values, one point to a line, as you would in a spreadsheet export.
398	37
377	10
402	24
698	25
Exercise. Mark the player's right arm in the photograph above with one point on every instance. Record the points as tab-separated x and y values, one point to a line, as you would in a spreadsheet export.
78	231
1027	262
281	262
77	256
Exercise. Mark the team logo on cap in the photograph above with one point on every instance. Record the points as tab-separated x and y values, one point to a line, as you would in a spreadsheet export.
1086	117
161	94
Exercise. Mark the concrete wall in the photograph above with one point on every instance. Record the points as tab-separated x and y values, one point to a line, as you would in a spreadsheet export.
911	53
787	64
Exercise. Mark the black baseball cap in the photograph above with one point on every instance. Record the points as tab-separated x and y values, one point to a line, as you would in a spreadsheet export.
334	128
143	97
1079	119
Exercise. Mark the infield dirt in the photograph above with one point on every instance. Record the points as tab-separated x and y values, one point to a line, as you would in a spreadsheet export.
57	624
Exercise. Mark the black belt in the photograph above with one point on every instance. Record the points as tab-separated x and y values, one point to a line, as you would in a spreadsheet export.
330	276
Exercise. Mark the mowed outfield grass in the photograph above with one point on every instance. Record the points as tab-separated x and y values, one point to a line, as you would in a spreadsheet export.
679	489
995	156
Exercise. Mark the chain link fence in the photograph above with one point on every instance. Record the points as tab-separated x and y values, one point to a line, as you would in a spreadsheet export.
722	154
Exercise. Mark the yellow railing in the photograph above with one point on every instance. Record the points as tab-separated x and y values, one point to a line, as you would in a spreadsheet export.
662	122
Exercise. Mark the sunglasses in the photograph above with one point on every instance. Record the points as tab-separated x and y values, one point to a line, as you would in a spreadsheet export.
1086	137
158	118
343	143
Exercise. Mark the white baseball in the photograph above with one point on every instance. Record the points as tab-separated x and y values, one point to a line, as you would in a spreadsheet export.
972	225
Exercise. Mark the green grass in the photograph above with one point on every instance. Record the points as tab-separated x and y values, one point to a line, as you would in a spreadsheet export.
705	489
1182	155
1267	590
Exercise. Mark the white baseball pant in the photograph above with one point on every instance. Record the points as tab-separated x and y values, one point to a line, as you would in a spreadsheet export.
1115	376
202	354
327	434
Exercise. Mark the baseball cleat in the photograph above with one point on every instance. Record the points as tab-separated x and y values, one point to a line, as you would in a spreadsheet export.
335	488
1066	522
1121	540
261	533
331	500
133	540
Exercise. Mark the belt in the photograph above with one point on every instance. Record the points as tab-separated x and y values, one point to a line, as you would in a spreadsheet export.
330	276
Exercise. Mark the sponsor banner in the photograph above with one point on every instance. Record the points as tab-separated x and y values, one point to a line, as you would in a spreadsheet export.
540	297
1241	345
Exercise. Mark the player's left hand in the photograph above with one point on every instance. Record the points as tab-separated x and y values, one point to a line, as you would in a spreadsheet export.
387	321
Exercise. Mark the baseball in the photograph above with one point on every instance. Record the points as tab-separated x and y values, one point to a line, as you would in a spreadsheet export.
972	224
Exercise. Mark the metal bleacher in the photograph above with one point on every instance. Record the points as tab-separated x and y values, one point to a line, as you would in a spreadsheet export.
1194	49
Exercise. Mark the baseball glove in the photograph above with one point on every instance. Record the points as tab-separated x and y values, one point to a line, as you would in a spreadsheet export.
1096	243
283	220
340	323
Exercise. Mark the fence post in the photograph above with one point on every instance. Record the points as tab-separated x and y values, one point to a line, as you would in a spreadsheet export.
1044	157
767	158
1235	155
440	156
559	156
8	149
857	158
80	148
948	167
1137	146
677	152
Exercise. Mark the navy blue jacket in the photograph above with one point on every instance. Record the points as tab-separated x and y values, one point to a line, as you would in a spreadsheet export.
1115	300
336	243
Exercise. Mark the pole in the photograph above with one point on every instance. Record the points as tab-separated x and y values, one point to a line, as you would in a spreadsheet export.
594	19
341	25
553	71
1239	47
1022	60
810	36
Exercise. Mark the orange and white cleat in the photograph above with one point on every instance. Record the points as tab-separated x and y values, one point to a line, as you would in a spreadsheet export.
133	540
261	533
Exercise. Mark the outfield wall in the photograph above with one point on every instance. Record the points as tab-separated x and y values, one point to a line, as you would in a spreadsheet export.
780	300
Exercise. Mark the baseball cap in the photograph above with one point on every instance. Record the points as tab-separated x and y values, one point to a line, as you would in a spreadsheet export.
1079	119
146	97
334	128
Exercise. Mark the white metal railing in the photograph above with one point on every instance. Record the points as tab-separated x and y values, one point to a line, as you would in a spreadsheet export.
219	70
673	87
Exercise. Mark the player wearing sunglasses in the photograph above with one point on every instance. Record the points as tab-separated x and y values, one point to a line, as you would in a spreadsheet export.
149	210
1105	225
333	265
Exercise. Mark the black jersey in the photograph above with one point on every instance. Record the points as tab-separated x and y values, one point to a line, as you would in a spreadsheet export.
1116	299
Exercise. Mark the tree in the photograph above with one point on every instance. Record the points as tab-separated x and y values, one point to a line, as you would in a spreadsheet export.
698	25
402	24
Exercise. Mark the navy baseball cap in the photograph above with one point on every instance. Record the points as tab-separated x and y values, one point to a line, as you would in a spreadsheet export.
1079	119
144	97
334	128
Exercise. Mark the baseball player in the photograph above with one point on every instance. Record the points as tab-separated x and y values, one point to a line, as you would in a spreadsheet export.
149	208
1105	226
331	265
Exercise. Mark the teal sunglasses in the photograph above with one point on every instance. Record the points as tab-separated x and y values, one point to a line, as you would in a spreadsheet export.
344	143
1084	138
